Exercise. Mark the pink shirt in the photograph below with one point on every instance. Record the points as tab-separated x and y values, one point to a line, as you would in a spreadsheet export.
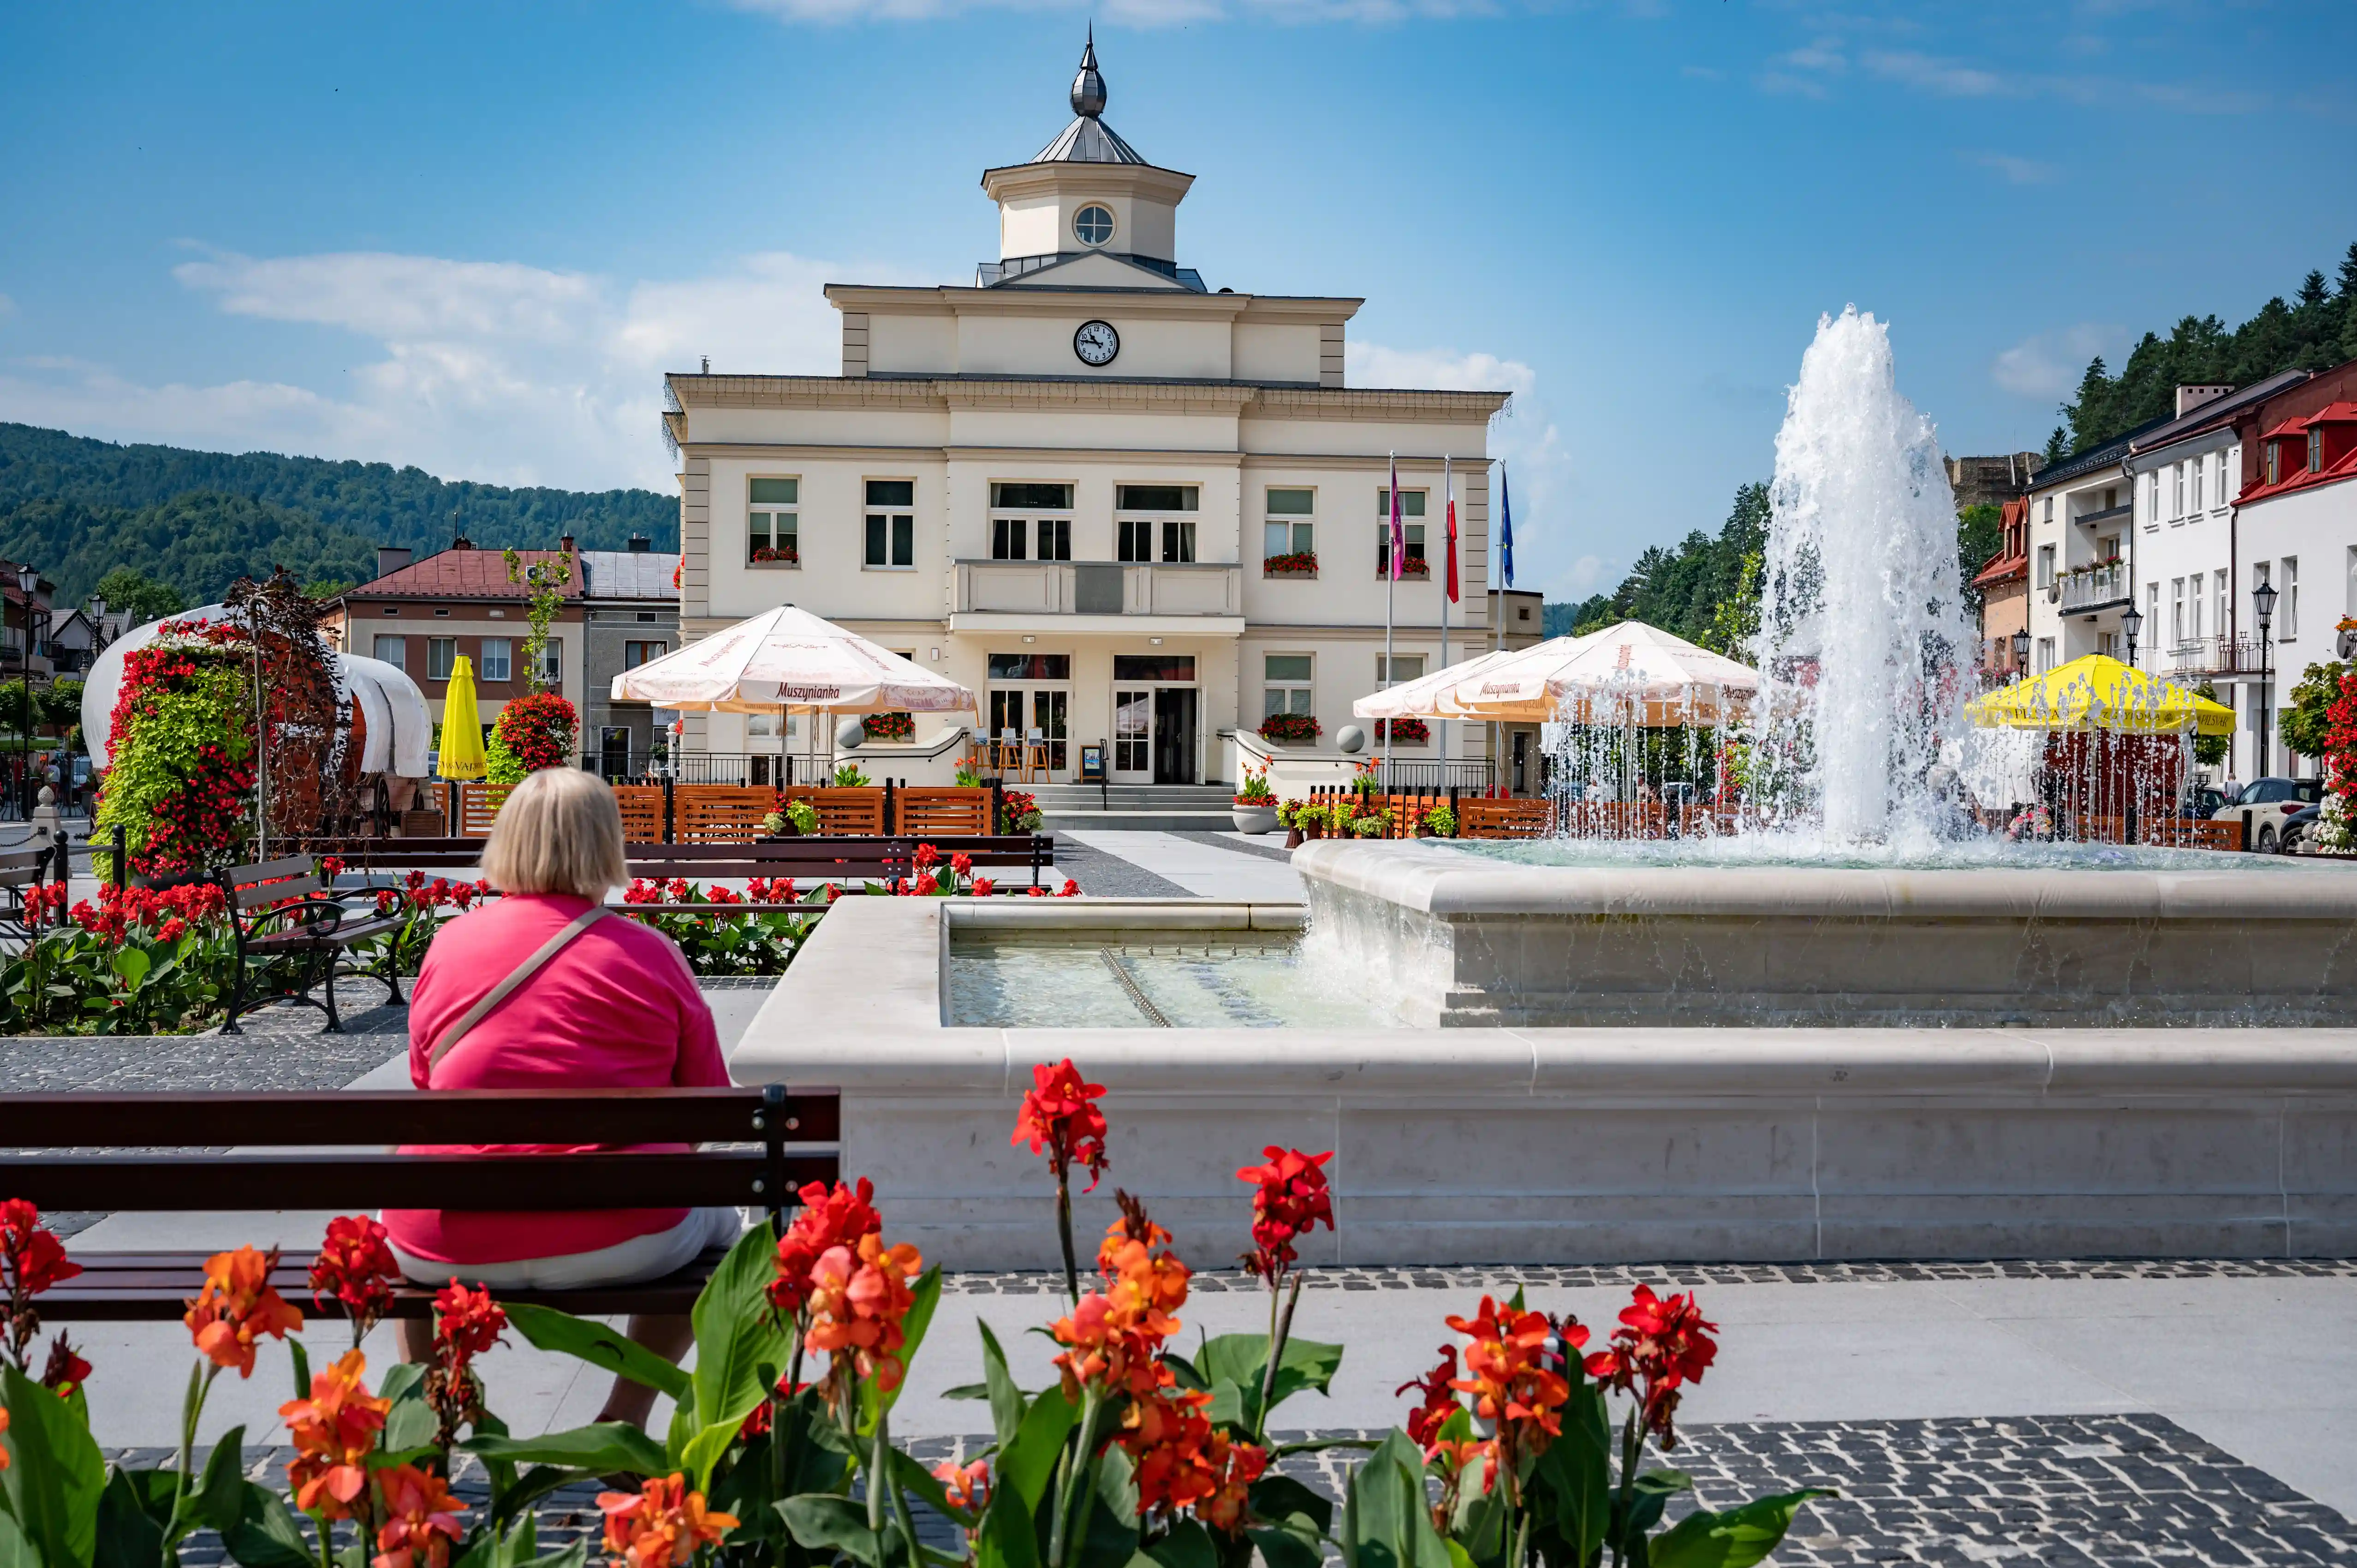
619	1008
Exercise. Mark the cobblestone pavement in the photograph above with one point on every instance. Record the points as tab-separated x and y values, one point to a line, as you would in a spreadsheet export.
1103	875
1690	1276
2046	1492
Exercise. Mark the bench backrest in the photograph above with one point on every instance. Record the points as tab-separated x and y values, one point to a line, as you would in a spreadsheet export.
642	811
926	811
852	812
270	881
719	813
338	1145
21	867
479	807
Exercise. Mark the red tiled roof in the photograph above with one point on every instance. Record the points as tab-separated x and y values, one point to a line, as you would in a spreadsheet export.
2299	479
463	575
2002	568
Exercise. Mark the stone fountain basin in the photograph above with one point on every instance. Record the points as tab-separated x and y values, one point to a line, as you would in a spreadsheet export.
1559	1145
2198	941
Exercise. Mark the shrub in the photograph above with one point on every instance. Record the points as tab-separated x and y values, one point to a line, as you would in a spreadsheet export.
531	733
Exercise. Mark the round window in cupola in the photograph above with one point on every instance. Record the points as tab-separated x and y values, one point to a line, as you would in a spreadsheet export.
1093	224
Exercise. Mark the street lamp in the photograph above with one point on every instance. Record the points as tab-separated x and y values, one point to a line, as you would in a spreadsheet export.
98	638
2021	654
2262	601
2131	622
29	578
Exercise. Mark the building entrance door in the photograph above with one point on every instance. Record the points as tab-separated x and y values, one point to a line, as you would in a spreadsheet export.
1132	736
1033	718
1174	735
614	751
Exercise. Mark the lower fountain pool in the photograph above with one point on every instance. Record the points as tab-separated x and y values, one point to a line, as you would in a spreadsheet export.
1124	978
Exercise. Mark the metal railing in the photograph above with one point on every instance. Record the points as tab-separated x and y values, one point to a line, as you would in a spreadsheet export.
2217	656
2092	589
1473	775
755	768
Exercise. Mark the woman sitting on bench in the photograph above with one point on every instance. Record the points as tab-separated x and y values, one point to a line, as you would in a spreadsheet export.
543	988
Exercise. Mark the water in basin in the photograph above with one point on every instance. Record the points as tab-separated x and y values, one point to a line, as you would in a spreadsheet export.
1123	979
1800	852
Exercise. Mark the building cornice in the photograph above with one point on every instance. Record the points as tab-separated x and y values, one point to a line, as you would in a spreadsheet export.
1246	399
1048	299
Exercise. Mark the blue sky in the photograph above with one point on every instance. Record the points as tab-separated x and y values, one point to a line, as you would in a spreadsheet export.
472	237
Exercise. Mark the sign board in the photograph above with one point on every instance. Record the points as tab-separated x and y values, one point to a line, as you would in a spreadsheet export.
1092	764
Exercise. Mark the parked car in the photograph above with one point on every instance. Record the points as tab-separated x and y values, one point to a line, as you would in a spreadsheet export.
2201	803
2269	802
2297	829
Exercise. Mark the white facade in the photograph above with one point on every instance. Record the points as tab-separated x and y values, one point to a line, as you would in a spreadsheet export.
2303	543
1062	488
2081	560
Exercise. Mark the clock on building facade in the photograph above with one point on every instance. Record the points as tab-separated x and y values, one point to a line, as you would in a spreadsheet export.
1096	342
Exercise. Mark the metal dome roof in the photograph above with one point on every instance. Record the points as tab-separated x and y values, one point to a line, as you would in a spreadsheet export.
1088	139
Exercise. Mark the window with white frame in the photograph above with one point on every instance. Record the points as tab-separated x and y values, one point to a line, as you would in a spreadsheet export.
2177	609
499	659
773	522
2046	565
2151	491
394	650
2194	606
441	652
1144	513
1390	670
2152	609
2221	588
2349	590
2201	466
2176	491
2045	654
552	661
2050	509
1286	678
1031	522
891	524
2287	611
1292	526
1412	554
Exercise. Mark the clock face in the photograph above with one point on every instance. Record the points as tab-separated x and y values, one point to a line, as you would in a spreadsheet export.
1096	342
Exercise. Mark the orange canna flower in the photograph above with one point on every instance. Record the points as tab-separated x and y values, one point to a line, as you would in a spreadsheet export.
4	1460
825	1220
968	1486
661	1525
1168	1434
1114	1335
333	1431
1510	1380
422	1519
237	1306
857	1301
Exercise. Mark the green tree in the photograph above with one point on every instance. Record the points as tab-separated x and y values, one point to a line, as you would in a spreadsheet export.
129	588
1980	534
2307	720
2210	750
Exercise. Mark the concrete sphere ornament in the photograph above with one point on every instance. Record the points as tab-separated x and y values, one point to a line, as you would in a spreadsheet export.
1351	739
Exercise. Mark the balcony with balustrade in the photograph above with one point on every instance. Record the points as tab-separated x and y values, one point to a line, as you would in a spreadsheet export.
2205	656
1199	598
2090	590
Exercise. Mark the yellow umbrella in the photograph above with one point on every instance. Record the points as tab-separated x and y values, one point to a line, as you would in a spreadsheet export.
462	723
2097	692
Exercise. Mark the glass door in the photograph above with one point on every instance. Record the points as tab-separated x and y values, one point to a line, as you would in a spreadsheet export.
1132	736
1027	719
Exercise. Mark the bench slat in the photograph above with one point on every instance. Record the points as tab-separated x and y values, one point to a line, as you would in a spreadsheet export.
371	1118
272	870
95	1297
182	1184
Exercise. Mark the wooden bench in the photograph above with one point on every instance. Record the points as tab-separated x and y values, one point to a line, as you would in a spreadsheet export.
1503	819
20	871
929	811
478	807
856	812
283	911
719	813
329	1150
810	861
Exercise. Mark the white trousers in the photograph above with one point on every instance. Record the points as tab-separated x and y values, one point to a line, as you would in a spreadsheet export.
634	1261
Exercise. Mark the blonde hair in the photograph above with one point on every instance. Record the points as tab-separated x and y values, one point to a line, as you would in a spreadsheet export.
557	831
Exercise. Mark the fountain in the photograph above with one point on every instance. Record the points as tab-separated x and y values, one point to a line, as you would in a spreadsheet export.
1851	1030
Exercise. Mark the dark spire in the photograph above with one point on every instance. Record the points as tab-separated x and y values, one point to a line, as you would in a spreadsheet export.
1089	87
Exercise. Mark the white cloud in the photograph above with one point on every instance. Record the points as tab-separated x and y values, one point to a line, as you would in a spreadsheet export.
1933	74
2049	366
2016	170
495	370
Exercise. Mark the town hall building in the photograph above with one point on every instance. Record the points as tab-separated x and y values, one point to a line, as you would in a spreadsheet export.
1122	507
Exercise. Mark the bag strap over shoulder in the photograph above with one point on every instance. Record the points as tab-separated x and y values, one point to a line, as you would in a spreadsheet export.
515	978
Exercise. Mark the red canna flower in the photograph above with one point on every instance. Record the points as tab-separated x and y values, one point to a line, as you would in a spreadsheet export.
332	866
1438	1387
825	1220
31	1258
961	865
237	1306
1059	1118
984	887
661	1525
356	1267
1070	889
66	1371
1512	1376
422	1520
1661	1345
1038	892
927	857
1293	1200
333	1431
468	1322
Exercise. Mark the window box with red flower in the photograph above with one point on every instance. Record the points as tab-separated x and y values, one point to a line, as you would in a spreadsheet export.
1293	564
1402	732
890	726
1290	728
781	556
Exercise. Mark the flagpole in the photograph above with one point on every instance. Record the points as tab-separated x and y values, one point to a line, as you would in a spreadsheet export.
1392	545
1449	506
1497	608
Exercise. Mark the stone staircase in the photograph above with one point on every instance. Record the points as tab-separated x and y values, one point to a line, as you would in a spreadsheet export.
1151	808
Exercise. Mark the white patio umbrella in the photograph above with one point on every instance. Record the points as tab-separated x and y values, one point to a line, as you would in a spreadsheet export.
1604	677
1426	696
787	661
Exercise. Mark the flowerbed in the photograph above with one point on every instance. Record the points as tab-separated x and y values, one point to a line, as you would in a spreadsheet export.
135	961
1139	1452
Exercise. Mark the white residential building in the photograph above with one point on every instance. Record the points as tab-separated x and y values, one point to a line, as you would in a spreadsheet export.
1120	506
2082	556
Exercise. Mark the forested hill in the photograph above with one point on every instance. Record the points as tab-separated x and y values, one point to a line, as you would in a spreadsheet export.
2313	331
75	507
